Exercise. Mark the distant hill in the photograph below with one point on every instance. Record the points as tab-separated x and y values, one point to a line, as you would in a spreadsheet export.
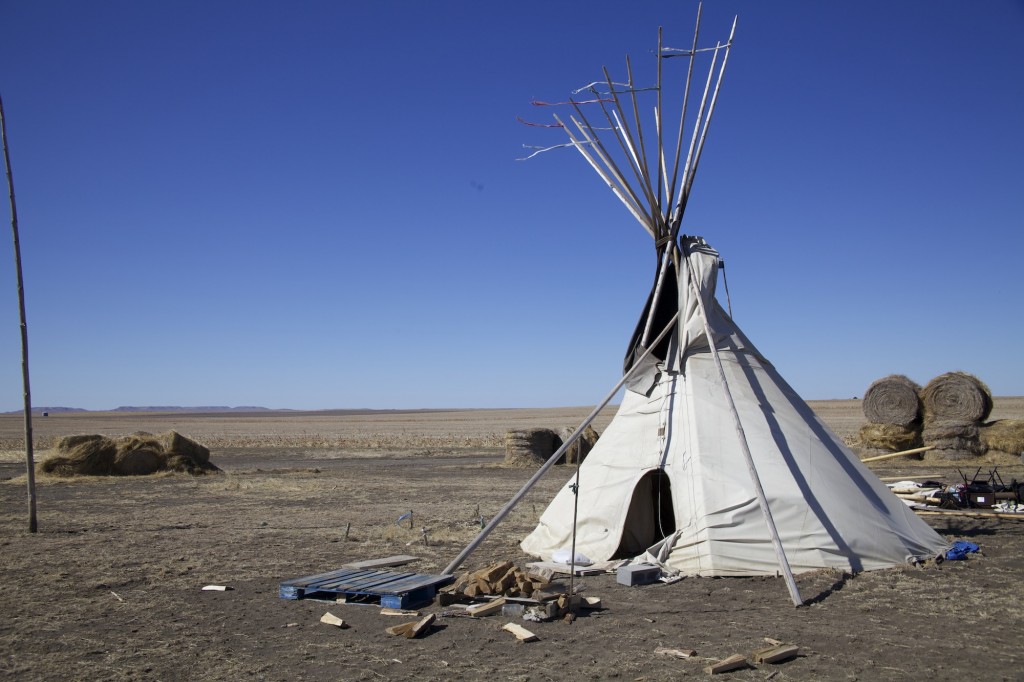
51	410
202	408
152	408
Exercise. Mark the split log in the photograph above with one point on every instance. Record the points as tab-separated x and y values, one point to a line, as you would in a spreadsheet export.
775	654
521	633
402	629
330	619
487	609
421	626
399	612
734	662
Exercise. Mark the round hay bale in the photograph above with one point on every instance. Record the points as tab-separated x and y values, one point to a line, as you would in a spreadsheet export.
139	462
957	396
893	400
81	456
581	447
530	447
890	437
177	444
1005	435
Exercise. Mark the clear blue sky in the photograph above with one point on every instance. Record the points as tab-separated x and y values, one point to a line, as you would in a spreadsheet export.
318	204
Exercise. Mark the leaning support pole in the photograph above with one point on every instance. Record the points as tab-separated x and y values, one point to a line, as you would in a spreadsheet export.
30	468
901	453
510	505
761	499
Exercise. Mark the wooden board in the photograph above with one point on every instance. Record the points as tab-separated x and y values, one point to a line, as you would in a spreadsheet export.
397	560
541	566
521	633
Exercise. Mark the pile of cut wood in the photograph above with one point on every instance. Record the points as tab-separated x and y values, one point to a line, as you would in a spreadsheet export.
502	579
503	588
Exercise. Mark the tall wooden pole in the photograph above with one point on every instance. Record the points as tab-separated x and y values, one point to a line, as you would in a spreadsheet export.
30	468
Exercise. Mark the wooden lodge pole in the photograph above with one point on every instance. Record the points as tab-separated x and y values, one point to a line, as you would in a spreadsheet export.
30	469
510	505
901	453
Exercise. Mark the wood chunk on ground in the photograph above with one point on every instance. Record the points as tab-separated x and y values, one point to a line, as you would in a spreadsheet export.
330	619
775	654
488	609
734	662
521	633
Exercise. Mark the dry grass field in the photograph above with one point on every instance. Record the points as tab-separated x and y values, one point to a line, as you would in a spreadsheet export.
109	588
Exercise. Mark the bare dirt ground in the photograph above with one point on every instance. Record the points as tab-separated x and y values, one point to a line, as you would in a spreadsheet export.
109	588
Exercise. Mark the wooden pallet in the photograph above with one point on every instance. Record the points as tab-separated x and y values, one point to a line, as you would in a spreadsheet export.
395	590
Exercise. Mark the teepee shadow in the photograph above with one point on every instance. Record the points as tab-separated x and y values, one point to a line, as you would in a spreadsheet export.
838	584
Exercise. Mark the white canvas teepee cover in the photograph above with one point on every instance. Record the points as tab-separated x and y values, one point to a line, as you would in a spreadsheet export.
669	476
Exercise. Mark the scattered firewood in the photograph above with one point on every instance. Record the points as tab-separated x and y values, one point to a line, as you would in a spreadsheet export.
330	619
421	626
487	609
678	653
413	628
402	629
450	599
734	662
775	654
399	612
521	633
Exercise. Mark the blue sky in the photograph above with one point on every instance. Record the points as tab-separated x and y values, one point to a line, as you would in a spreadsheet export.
318	204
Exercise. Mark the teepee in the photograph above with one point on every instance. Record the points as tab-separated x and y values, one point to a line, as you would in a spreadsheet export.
712	465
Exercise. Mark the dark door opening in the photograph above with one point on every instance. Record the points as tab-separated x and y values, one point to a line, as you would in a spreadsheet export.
650	517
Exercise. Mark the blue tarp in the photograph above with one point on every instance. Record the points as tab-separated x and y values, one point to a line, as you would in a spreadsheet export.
960	550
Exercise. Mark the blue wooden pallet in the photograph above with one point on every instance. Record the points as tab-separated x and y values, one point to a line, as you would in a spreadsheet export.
395	590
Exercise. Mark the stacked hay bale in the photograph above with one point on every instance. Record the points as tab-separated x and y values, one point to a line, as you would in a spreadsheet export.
139	454
1005	435
530	447
85	455
581	447
955	404
893	409
533	447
